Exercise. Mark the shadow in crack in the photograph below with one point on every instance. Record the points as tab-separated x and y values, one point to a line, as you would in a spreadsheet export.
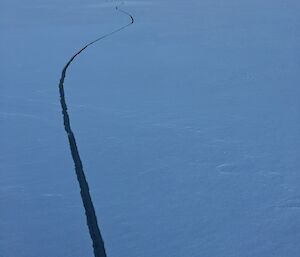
92	223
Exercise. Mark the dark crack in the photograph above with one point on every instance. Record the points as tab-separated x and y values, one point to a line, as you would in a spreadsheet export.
91	218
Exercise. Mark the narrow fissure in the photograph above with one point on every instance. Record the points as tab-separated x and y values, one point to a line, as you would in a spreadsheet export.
91	218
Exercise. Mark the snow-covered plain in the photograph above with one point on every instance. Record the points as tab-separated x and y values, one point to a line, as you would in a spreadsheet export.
187	123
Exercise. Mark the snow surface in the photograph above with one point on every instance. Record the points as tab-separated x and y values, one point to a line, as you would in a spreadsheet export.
187	123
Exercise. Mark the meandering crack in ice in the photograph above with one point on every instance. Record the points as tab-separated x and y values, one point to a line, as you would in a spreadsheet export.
92	223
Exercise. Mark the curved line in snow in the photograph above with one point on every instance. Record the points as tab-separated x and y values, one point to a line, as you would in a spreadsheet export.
91	218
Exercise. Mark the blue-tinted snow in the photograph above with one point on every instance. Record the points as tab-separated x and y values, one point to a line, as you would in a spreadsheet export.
187	124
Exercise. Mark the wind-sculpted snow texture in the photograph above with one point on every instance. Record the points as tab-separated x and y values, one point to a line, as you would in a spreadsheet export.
187	124
98	244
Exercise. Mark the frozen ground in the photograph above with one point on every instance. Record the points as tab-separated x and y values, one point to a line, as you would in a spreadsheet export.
187	123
